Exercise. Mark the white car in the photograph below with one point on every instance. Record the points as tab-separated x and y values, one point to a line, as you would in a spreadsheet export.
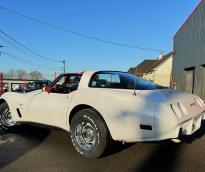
97	107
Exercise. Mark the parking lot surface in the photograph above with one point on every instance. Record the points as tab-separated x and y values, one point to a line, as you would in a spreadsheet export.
31	148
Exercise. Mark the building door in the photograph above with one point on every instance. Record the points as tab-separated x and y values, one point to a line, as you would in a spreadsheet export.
189	79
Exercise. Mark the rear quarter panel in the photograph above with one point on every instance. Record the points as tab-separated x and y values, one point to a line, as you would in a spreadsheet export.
122	112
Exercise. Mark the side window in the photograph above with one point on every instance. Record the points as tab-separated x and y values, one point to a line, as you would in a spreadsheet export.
115	79
121	80
17	87
6	87
107	80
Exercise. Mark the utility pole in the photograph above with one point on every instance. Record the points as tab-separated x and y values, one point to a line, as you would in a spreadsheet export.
63	66
1	47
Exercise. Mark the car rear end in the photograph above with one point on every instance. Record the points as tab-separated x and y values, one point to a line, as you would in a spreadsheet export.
190	112
181	114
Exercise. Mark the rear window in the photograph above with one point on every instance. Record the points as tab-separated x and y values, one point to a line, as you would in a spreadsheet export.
121	80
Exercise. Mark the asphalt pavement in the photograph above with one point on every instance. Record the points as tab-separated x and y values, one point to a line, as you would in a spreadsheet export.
35	149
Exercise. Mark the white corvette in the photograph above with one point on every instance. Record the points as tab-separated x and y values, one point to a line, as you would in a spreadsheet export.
98	107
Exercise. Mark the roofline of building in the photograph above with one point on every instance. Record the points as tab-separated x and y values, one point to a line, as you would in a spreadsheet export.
201	1
170	55
162	62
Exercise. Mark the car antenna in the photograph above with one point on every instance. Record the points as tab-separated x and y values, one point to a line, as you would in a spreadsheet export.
134	93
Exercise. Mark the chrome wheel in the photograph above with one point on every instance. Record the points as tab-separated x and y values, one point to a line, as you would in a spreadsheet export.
89	133
5	118
85	135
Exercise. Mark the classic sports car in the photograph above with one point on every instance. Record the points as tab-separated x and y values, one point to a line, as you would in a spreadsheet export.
99	107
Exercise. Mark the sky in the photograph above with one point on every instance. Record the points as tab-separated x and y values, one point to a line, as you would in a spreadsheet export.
142	23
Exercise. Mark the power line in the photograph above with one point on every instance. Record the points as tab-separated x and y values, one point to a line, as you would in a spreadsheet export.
80	34
8	42
20	59
16	58
28	49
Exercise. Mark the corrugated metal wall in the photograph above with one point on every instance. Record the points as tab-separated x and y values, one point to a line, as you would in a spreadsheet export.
189	48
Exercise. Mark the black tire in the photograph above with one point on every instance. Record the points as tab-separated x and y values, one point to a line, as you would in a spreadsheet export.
5	115
97	132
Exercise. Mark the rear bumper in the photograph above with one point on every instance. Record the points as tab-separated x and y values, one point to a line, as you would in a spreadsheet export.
191	125
186	127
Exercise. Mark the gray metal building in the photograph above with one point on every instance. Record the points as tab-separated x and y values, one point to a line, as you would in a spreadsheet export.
189	53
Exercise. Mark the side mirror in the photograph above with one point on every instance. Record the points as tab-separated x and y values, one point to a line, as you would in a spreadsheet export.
47	89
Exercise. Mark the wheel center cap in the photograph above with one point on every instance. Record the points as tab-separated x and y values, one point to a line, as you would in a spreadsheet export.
88	135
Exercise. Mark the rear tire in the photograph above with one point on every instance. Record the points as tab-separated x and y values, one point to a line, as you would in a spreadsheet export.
6	121
89	133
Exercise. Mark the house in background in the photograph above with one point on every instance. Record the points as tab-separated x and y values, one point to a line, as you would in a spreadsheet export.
143	68
158	71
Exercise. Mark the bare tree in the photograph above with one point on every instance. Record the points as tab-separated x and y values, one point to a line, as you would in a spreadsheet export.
10	74
21	74
35	75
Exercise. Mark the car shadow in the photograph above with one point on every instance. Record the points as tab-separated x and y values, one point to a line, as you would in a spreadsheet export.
117	147
163	158
185	139
25	139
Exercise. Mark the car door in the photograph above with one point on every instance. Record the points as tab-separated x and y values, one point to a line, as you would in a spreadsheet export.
51	107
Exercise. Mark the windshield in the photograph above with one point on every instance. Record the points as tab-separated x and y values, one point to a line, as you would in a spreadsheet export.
121	80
